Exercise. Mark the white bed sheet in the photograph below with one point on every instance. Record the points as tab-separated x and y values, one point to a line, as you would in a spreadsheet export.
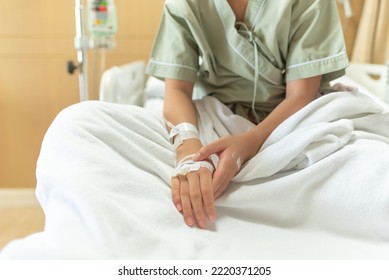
319	188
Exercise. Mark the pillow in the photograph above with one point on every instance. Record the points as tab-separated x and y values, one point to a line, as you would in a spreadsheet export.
124	84
155	88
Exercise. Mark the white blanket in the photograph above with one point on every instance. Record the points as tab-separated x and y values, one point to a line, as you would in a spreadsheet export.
318	188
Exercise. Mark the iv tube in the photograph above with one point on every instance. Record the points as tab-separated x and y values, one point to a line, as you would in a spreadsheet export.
81	44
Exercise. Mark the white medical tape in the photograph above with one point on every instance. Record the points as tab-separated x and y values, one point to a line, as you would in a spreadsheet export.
180	128
190	166
180	138
237	159
185	159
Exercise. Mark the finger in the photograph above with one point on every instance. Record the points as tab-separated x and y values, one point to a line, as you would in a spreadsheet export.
224	184
218	178
175	183
226	170
220	174
222	188
213	148
207	192
185	201
196	199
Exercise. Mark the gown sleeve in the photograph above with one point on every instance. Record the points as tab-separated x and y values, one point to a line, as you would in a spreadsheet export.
175	53
316	42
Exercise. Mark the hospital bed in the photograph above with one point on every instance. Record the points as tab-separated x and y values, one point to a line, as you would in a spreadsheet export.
118	81
319	188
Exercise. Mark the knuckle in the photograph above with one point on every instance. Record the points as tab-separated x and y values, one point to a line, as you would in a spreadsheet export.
192	175
207	192
210	207
195	196
187	213
175	196
199	213
184	192
204	171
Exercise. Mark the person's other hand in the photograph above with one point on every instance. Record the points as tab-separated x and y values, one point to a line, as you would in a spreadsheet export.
233	151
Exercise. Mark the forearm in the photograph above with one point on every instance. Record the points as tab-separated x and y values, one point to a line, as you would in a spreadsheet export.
191	183
179	108
299	94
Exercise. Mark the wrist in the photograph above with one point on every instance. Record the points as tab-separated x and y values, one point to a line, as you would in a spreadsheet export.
185	154
188	147
254	139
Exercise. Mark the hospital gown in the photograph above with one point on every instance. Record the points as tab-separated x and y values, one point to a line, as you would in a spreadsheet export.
278	41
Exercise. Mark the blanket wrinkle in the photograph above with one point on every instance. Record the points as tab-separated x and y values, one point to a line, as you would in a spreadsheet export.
310	144
375	124
331	116
316	132
328	108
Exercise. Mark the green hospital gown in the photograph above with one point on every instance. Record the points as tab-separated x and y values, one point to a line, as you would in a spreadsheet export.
248	64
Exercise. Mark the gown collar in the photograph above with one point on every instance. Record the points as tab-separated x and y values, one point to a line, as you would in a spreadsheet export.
243	40
240	43
251	16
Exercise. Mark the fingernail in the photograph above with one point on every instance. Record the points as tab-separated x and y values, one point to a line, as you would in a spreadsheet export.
189	221
179	207
201	224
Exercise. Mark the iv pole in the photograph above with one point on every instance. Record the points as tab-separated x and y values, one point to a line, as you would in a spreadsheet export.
81	43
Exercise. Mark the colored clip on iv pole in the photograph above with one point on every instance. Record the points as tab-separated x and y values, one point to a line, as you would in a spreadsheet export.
102	26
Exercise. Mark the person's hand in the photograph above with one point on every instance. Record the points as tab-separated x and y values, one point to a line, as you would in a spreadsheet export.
233	151
193	196
192	193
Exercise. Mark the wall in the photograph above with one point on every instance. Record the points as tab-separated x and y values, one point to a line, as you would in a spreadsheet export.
350	25
372	40
36	40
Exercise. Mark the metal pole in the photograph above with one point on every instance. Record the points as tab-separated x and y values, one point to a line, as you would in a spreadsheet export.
81	44
386	97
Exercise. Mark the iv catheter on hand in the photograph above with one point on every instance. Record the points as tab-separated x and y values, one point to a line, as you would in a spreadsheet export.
102	26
